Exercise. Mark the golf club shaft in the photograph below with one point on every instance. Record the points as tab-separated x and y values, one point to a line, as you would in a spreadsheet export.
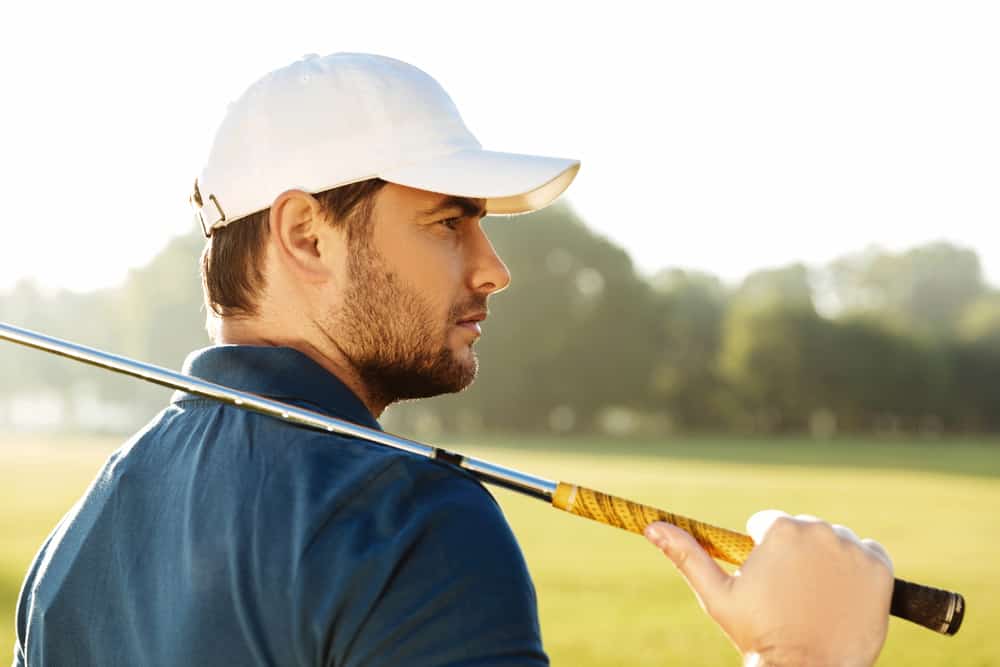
936	609
494	474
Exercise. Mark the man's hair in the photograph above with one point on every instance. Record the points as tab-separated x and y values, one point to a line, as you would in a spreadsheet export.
232	263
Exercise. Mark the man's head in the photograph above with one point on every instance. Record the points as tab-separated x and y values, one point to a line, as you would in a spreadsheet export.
416	291
392	280
343	197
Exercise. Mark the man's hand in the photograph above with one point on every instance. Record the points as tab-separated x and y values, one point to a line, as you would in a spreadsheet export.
809	594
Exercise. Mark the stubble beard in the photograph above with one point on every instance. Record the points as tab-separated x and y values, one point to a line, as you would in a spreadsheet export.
390	336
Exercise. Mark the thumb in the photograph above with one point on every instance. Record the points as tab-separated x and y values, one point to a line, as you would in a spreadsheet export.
708	581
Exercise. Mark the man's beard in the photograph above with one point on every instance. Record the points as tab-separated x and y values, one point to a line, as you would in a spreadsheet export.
388	332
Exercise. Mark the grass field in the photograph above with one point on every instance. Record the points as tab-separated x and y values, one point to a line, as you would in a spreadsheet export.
608	598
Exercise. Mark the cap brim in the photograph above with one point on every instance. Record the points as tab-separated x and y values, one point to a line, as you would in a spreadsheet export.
509	182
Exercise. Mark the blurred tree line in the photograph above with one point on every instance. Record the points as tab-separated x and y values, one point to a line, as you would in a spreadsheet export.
874	342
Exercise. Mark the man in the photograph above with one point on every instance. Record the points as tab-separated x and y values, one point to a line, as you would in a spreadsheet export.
347	269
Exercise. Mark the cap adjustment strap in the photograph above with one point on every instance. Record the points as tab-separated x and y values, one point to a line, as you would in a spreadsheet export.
208	218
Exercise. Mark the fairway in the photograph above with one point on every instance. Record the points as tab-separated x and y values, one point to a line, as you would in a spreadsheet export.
608	598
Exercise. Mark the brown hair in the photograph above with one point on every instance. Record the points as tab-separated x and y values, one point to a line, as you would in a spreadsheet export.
232	263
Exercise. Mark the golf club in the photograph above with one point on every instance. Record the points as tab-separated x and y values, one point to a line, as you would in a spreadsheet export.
936	609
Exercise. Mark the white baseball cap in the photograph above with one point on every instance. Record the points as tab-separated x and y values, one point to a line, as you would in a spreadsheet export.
324	122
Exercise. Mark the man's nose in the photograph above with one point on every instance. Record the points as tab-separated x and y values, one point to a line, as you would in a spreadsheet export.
488	273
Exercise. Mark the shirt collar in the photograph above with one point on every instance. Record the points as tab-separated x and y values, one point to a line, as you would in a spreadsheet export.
281	373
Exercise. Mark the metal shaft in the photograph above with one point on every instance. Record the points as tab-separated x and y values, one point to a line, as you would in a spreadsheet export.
491	473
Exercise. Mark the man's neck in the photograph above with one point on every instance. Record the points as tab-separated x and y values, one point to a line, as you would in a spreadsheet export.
251	331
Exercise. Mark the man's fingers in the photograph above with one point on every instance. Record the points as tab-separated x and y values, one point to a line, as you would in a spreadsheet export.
879	551
846	533
761	522
708	581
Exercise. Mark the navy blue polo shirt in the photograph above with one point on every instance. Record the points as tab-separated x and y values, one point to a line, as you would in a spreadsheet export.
217	536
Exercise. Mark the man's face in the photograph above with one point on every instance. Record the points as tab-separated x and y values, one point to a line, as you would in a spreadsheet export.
416	292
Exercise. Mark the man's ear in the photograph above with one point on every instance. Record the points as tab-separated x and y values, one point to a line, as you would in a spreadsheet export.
301	234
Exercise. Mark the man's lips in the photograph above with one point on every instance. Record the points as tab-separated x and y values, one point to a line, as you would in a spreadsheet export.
471	322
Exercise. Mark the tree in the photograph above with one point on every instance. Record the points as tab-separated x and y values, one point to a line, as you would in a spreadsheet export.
784	286
922	291
690	308
775	358
975	367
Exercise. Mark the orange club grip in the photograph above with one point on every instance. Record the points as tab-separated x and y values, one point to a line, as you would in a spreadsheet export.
939	610
720	543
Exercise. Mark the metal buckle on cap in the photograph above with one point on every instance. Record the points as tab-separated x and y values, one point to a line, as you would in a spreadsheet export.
199	209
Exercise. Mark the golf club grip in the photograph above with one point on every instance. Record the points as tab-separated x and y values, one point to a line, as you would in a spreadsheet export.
720	543
938	610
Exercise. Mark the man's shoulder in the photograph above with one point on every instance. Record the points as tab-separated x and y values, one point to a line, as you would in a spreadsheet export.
420	546
329	475
380	476
349	460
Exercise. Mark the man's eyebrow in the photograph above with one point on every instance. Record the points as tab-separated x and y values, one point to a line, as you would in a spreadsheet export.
470	208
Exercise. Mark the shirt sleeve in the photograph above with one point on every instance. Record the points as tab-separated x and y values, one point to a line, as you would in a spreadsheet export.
18	656
438	579
21	611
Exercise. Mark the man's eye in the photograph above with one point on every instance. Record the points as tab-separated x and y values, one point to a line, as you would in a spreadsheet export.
451	223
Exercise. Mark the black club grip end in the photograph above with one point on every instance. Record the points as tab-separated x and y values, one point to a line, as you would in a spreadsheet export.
941	611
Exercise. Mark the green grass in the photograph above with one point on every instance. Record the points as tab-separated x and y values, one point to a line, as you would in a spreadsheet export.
608	598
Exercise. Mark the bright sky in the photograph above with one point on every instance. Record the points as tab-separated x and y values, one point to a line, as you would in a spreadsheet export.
724	136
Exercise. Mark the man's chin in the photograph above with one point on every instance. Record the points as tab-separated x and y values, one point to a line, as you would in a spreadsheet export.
462	374
450	375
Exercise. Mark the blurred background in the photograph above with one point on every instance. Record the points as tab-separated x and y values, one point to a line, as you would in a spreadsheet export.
775	282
